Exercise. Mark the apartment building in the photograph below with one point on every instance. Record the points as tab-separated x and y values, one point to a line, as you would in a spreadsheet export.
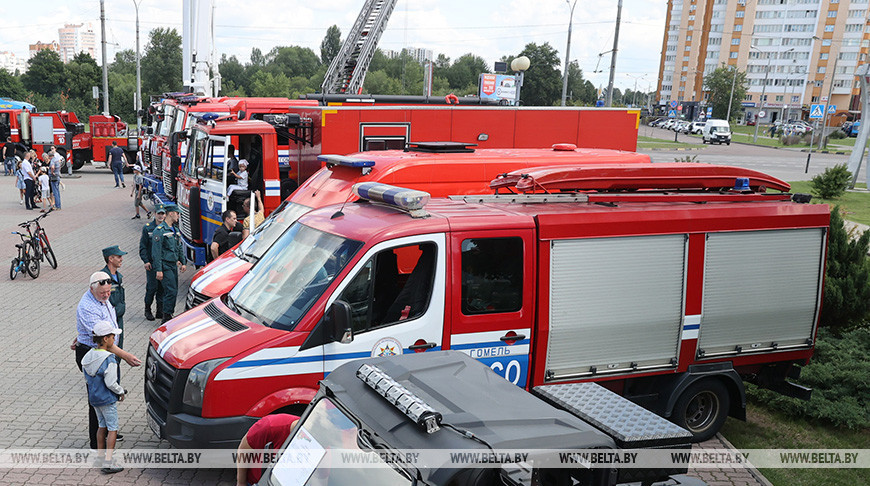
797	52
39	46
76	38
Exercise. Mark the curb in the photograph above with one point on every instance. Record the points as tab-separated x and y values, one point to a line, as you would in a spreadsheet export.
681	149
752	469
838	152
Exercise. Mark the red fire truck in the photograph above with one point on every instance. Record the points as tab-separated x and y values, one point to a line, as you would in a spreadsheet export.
30	129
95	145
670	284
305	132
441	169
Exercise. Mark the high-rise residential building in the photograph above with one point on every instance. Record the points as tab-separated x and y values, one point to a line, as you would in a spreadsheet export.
39	46
10	62
794	51
419	55
76	38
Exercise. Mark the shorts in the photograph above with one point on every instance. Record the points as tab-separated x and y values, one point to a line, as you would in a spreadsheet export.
46	193
137	202
107	416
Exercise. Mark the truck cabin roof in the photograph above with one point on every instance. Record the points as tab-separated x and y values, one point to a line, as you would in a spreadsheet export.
505	416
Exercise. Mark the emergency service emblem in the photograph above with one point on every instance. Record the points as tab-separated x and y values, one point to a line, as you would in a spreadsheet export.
210	201
386	347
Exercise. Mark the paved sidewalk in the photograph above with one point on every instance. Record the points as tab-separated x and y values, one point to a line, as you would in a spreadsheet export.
43	403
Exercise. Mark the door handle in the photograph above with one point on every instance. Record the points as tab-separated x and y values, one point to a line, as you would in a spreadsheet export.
515	337
426	345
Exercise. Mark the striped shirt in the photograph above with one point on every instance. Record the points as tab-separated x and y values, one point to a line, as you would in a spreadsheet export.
88	313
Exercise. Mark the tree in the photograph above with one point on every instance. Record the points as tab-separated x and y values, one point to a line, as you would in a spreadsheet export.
847	278
10	86
266	84
162	63
465	73
719	83
542	83
292	61
330	45
82	74
234	76
45	73
577	91
124	63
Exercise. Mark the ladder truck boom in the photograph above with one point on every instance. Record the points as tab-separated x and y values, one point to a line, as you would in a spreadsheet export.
347	72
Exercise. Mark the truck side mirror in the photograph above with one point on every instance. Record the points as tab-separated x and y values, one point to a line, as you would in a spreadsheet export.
149	130
200	172
338	317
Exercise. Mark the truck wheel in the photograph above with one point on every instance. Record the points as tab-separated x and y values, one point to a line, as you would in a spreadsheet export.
80	158
702	409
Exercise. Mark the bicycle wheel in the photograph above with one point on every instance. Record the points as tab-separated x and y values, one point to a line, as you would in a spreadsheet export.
46	249
32	265
13	270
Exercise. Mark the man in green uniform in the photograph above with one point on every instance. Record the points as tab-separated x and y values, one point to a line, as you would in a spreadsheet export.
114	257
153	286
167	254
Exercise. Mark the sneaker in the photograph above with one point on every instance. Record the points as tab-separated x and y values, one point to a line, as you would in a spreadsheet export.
99	462
116	185
136	217
112	468
21	202
119	438
123	185
148	315
167	318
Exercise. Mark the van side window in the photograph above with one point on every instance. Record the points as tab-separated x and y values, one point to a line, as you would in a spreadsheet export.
393	286
492	275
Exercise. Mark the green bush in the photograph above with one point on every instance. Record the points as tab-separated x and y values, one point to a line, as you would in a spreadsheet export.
837	134
847	278
833	182
791	140
838	374
687	158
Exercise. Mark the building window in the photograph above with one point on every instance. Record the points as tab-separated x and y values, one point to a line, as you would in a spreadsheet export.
688	48
795	98
829	28
826	42
688	38
779	98
735	41
733	55
823	56
738	27
748	97
815	99
821	69
739	14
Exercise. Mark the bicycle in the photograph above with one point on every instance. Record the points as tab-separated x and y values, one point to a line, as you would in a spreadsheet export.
27	261
40	239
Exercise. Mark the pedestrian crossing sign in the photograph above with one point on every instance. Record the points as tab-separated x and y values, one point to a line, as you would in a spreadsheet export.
832	109
672	113
817	111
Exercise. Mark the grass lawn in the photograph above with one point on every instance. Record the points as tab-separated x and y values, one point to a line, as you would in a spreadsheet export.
662	143
745	134
764	429
855	205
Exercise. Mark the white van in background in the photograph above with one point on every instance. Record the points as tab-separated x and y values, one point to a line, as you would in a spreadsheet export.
718	131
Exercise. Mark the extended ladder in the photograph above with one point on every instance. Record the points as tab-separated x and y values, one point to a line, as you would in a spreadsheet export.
347	72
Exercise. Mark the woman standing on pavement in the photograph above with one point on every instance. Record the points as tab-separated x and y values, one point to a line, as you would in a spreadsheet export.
19	178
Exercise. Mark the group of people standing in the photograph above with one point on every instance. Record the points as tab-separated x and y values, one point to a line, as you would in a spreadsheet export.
36	180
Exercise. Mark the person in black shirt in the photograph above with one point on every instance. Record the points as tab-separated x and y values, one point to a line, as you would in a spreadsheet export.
223	240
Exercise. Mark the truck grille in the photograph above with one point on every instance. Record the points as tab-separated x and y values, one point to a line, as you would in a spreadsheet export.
156	166
167	183
194	298
159	376
146	159
185	220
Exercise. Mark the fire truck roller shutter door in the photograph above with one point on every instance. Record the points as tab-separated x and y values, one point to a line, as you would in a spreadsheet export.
758	314
627	315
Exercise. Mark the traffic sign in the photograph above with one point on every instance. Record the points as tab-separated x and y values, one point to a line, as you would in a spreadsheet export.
709	111
817	111
832	109
674	104
761	114
824	99
672	113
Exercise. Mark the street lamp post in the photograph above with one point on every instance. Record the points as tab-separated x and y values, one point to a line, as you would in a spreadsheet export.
520	65
138	72
763	89
567	52
731	98
830	92
105	64
634	95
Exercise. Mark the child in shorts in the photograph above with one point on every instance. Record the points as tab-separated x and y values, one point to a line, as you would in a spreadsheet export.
100	368
138	191
45	190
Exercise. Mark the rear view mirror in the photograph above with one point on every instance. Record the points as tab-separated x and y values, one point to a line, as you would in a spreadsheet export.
338	317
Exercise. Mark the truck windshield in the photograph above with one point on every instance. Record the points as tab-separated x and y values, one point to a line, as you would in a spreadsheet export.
168	120
265	235
305	460
291	276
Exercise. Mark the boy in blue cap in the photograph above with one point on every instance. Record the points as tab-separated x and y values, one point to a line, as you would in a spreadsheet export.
114	257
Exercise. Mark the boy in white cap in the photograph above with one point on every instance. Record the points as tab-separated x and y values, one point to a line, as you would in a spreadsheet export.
138	191
100	368
241	178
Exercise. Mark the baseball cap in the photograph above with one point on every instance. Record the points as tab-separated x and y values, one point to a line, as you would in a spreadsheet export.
104	328
99	277
113	250
137	168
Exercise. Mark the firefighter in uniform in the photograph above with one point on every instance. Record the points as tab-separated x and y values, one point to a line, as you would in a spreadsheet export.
153	286
167	255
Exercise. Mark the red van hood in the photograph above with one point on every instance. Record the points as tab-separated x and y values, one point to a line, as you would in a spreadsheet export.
221	275
196	336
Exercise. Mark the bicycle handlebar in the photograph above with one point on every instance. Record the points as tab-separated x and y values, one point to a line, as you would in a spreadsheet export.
36	219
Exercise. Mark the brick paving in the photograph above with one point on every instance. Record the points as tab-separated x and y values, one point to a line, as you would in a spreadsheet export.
50	410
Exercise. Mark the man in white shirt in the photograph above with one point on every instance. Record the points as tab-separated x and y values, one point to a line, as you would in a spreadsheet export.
29	178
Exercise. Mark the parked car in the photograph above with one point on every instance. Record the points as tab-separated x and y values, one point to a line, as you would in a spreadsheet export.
668	124
697	127
853	132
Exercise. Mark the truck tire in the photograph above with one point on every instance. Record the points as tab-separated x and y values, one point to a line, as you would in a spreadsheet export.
702	409
80	158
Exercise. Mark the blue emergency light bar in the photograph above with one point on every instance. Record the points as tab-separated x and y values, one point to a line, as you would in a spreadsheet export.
209	117
344	160
398	197
188	99
407	402
741	184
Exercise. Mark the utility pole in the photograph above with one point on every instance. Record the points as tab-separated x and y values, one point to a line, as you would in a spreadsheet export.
825	114
105	63
138	72
731	98
567	53
609	100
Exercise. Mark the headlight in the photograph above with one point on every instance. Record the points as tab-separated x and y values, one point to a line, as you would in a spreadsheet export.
194	389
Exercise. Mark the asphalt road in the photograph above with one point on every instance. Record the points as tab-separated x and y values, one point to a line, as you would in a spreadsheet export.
786	163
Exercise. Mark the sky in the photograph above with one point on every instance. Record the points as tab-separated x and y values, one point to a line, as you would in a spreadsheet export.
489	29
